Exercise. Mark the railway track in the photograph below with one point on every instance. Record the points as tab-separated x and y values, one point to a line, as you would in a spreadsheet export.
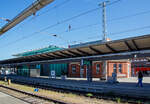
31	98
103	91
23	97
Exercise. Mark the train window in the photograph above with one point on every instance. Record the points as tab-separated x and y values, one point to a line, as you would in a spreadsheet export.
74	69
115	68
97	68
120	68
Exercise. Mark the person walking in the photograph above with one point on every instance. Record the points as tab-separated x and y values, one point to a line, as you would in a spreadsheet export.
140	79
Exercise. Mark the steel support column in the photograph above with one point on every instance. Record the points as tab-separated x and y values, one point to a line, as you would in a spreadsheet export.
104	70
82	68
89	72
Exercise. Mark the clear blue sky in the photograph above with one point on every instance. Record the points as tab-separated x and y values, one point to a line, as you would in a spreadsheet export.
23	37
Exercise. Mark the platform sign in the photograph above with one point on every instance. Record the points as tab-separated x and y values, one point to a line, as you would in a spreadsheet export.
86	62
53	75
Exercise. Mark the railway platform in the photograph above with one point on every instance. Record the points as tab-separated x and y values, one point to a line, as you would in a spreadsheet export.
124	89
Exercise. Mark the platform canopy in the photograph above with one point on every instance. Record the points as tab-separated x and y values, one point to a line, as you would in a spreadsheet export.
117	49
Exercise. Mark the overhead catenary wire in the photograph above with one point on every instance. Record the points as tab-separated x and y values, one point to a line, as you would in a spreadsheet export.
124	31
66	1
56	6
78	28
129	16
112	34
109	20
114	2
54	25
44	12
63	21
26	1
66	20
130	30
67	42
117	33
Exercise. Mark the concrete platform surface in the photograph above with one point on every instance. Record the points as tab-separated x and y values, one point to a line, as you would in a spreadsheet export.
128	80
125	87
7	99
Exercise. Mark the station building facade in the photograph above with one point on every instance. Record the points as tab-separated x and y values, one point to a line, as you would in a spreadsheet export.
74	69
45	69
121	67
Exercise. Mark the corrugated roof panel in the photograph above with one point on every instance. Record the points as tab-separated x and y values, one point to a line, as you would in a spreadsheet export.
74	50
88	50
143	43
119	46
130	42
102	48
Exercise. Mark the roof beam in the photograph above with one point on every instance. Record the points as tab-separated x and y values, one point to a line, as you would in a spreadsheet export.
95	50
114	56
133	41
32	9
83	52
43	57
129	47
59	55
49	55
110	48
28	58
66	54
32	57
37	56
74	53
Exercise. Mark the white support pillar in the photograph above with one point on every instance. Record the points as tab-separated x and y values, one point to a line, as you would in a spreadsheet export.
104	70
81	68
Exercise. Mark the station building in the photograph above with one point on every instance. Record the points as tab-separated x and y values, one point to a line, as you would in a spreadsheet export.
94	59
74	69
121	67
41	69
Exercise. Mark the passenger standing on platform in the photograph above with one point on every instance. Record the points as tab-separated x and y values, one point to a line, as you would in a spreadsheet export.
140	79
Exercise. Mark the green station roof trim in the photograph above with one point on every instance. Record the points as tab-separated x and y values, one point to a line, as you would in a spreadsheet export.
50	48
